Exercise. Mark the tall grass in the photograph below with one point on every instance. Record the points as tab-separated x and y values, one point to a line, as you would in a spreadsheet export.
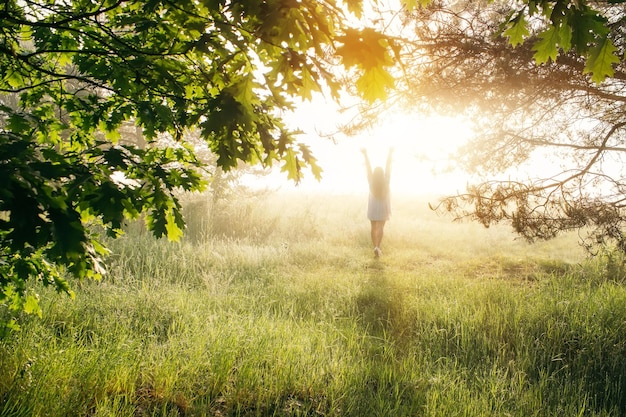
282	310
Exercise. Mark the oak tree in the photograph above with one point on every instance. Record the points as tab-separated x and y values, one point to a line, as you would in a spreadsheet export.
77	76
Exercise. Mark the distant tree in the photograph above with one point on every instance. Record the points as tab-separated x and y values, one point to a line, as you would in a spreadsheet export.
88	88
530	103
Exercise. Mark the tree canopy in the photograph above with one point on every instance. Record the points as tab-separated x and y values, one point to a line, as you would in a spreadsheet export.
79	79
552	105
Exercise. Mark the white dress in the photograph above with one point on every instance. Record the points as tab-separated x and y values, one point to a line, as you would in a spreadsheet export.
378	209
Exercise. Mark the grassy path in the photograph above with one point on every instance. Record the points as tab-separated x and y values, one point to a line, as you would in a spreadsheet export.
291	316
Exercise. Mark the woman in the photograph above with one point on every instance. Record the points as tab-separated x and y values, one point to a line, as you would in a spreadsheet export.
379	202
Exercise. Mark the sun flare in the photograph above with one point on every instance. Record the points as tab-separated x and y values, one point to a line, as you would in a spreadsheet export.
423	147
422	150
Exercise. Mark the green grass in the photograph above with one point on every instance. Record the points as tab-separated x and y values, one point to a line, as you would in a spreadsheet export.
282	310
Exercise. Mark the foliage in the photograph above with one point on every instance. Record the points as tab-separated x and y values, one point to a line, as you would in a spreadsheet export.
591	31
548	155
76	76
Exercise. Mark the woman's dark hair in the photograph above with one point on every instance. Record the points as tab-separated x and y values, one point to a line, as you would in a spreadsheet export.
379	187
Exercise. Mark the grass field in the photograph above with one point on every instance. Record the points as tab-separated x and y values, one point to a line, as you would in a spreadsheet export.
275	306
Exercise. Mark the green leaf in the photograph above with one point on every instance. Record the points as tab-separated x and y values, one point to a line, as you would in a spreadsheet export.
558	12
291	165
565	36
309	84
31	305
156	222
373	84
9	326
365	49
14	79
356	7
601	59
18	123
292	28
586	27
517	30
174	226
243	92
68	233
546	48
308	157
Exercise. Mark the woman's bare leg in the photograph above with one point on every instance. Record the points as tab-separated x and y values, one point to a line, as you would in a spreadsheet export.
377	235
380	226
374	232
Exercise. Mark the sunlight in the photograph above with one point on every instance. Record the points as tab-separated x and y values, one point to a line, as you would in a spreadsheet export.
422	161
423	148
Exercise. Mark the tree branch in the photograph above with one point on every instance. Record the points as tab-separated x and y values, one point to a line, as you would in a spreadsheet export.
60	23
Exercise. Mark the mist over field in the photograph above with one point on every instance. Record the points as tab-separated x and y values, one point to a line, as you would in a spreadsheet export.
273	304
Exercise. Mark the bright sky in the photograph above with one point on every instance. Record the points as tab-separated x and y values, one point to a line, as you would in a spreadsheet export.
420	162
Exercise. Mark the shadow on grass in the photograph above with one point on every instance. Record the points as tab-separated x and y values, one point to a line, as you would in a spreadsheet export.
379	304
382	385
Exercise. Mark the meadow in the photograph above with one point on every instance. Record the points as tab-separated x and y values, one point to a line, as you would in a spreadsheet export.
273	305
